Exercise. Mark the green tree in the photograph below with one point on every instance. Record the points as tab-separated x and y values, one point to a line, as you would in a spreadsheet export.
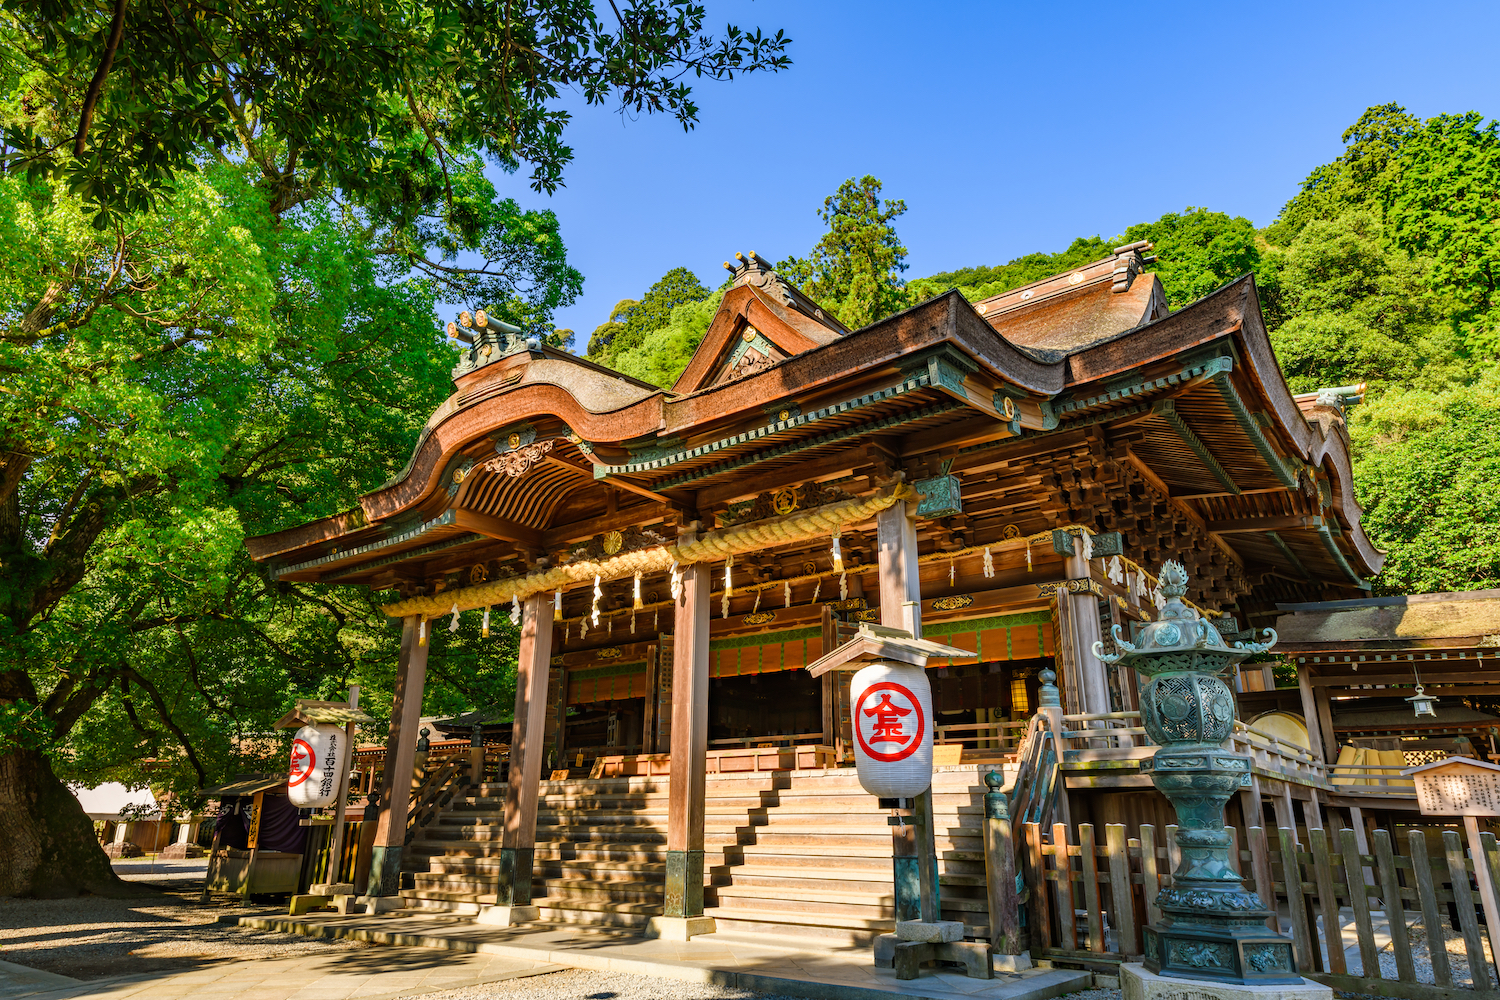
854	271
121	99
1357	310
1387	260
632	320
1198	251
662	354
1428	464
172	383
224	232
605	333
982	282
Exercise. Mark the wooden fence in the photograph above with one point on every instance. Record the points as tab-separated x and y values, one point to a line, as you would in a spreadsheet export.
1089	901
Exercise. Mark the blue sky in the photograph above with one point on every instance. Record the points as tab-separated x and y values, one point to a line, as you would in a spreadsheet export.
1006	128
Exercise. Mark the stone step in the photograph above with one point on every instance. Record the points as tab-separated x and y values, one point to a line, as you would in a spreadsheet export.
585	905
747	924
565	850
437	899
810	900
444	882
811	847
809	879
577	889
605	870
613	919
712	817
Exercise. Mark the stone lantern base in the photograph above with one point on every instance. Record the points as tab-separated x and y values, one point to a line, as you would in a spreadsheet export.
1136	983
1220	953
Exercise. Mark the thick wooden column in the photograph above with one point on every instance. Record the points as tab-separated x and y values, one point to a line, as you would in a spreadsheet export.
1082	632
913	847
1325	724
1310	714
401	751
527	748
900	585
682	916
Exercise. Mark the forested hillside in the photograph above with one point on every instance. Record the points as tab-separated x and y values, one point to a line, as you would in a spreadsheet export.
1381	268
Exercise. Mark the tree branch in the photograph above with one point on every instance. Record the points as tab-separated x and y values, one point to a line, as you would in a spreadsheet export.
96	85
166	718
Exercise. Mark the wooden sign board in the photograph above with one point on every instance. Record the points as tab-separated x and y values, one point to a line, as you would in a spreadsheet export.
1457	786
560	775
947	754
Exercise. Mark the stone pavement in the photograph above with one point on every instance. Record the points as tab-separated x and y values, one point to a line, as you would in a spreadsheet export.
843	974
365	974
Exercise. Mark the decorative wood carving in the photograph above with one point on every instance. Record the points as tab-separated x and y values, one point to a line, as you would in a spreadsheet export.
521	460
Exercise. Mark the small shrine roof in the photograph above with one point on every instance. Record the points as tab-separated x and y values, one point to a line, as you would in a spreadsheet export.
875	642
1448	621
1453	763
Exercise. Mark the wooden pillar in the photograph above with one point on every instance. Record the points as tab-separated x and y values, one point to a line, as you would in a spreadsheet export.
401	751
1312	812
648	716
1083	631
900	584
828	683
1311	715
682	912
335	873
1286	818
1361	839
1325	725
527	748
913	844
1486	883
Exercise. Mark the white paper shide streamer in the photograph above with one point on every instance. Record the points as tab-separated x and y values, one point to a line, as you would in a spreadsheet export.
453	625
892	722
484	623
515	610
319	755
598	593
989	564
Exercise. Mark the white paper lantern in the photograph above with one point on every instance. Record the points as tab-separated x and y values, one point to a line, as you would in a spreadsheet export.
319	755
892	722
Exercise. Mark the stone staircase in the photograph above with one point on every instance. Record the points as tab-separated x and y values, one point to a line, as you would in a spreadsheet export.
820	868
801	856
600	848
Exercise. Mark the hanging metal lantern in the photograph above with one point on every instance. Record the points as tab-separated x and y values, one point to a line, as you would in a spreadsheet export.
1422	703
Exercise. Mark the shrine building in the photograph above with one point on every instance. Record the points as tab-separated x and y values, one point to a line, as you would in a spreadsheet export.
1005	477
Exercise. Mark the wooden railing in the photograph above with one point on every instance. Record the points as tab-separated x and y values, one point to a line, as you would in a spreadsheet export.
1272	754
343	870
434	793
1000	737
760	742
1119	736
1091	897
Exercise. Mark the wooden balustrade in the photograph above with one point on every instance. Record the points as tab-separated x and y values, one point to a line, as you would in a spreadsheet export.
1088	902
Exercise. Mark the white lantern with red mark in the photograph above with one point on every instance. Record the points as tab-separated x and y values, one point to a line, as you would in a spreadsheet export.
892	723
320	754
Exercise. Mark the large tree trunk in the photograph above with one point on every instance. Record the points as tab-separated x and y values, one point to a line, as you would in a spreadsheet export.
47	843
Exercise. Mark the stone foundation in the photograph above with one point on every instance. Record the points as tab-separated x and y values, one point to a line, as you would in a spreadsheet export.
1138	984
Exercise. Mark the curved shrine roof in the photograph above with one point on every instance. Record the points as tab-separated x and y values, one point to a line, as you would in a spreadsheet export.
537	447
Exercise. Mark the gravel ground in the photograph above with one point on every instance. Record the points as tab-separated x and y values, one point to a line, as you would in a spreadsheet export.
91	937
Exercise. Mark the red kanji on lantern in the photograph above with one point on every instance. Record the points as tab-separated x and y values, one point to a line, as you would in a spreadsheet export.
887	727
